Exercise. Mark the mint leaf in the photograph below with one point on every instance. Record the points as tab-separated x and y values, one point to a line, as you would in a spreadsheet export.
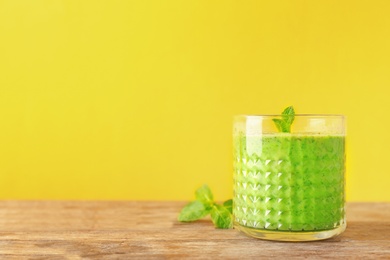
193	211
284	124
279	124
204	195
229	205
288	115
221	217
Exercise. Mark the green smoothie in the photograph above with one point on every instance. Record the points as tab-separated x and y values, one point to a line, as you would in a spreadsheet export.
289	182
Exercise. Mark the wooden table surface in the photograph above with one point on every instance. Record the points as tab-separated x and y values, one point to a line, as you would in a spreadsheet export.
149	230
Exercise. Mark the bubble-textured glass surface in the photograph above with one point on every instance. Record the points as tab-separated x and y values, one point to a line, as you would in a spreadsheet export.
289	186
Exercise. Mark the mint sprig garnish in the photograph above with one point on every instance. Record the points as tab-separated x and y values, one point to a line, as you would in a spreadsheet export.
284	124
221	215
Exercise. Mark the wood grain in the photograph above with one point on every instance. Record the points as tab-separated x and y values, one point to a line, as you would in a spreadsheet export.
149	230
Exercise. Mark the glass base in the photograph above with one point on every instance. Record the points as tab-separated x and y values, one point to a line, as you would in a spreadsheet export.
291	235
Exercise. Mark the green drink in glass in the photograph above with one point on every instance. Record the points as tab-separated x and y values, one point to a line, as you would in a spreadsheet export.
289	186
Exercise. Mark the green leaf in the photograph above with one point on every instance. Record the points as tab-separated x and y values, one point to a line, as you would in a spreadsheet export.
279	124
229	205
284	124
193	211
221	217
288	115
204	195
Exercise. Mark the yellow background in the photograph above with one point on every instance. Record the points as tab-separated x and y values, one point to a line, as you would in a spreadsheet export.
134	99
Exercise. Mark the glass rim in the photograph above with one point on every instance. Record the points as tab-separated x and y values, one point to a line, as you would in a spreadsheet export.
296	115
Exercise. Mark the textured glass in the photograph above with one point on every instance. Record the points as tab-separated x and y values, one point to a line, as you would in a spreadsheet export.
289	183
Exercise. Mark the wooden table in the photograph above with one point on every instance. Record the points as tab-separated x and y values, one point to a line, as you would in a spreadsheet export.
135	229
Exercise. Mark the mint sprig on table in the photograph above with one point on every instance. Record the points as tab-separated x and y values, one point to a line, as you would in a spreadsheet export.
221	215
284	124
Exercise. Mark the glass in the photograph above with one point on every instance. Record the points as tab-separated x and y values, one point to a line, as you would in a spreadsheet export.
289	186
